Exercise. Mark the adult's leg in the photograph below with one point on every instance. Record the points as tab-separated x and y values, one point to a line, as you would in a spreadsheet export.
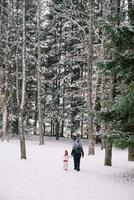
75	162
78	162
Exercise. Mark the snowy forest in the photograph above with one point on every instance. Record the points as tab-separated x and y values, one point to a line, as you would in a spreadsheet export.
66	72
66	69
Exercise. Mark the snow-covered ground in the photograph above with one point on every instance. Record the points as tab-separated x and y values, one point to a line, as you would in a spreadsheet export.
41	176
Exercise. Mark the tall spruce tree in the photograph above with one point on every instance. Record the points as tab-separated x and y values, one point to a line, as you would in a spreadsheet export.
120	109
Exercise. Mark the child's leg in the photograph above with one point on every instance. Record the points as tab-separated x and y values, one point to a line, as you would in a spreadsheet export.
65	166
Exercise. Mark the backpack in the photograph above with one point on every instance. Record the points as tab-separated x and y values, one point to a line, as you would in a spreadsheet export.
77	150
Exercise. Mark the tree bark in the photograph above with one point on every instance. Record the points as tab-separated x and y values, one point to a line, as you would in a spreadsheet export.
62	128
57	126
40	132
22	135
108	128
130	153
108	154
4	67
23	89
63	113
89	52
4	122
35	115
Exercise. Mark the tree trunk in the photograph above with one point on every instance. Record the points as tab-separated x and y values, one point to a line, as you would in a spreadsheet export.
63	113
15	127
21	134
21	108
57	126
108	127
51	127
89	52
40	132
44	126
130	153
5	61
4	97
130	11
4	122
35	115
81	126
62	128
108	154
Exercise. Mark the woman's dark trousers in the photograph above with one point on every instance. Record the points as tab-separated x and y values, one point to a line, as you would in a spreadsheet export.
77	161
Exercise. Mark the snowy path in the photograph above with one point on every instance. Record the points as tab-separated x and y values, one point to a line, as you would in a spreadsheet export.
41	176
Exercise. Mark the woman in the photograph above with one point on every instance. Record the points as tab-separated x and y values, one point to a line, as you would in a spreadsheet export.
77	152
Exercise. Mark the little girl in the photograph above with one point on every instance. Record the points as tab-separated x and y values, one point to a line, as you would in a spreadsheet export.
65	160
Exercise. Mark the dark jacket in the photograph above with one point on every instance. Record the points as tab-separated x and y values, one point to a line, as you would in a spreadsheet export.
77	149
